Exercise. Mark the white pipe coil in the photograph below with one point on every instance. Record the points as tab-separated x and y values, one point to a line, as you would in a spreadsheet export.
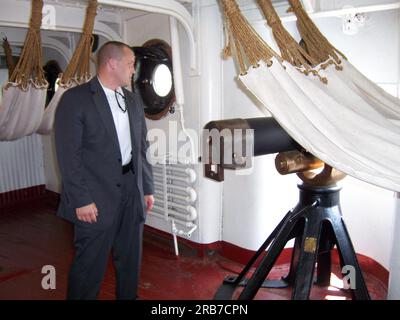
191	210
185	194
189	173
177	169
158	214
158	185
174	196
191	214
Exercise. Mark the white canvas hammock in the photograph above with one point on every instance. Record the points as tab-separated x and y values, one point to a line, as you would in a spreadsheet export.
77	72
21	112
23	97
339	116
385	103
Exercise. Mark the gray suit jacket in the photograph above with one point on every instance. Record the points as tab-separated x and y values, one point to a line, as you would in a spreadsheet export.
89	155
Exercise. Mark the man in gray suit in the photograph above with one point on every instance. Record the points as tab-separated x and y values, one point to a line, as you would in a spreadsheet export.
107	182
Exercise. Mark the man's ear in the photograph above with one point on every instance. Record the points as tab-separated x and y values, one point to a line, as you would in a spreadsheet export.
112	64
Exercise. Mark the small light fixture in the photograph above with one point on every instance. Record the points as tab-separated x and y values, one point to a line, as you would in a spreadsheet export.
353	22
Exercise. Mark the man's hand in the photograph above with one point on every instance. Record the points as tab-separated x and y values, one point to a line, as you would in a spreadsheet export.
87	213
149	201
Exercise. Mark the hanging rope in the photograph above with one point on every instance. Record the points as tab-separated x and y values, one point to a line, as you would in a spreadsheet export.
243	40
78	70
319	48
29	67
9	57
291	51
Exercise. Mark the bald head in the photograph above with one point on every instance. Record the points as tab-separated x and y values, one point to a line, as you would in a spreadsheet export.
111	50
115	64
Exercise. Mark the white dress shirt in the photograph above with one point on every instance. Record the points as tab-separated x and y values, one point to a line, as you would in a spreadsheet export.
121	121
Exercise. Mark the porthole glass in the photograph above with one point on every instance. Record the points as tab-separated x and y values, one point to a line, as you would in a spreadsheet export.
162	80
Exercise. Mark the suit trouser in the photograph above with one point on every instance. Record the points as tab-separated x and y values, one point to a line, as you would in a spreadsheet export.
93	247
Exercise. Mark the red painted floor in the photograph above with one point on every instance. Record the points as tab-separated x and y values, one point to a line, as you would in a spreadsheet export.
33	236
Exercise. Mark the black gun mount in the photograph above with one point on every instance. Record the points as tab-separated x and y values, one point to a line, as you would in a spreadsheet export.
315	223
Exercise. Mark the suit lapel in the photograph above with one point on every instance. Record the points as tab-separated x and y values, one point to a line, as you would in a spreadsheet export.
135	126
104	109
133	117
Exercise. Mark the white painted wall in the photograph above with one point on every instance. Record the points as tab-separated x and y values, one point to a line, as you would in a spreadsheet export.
210	107
148	26
21	164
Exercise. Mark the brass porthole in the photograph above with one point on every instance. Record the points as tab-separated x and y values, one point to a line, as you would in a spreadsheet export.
154	79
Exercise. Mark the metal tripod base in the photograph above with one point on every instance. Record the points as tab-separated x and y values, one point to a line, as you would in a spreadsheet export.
317	226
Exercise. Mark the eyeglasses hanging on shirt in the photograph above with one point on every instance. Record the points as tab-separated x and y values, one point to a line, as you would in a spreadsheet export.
116	98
